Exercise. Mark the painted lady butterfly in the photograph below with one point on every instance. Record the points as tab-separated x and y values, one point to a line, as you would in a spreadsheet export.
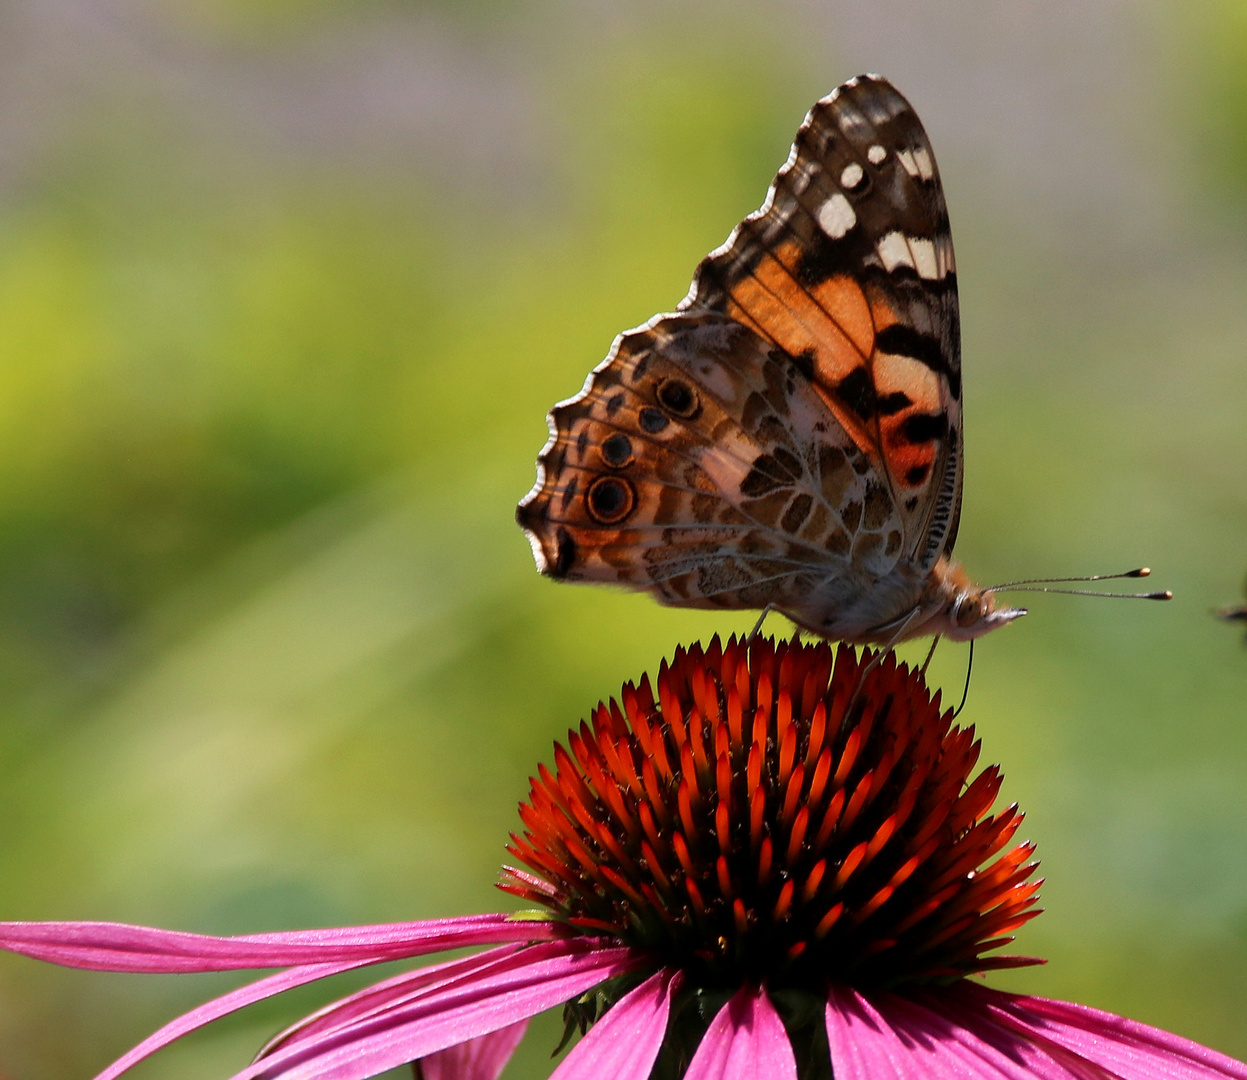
1235	613
790	437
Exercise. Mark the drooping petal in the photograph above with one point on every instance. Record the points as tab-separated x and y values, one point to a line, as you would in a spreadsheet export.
482	1058
886	1037
1124	1047
223	1006
276	984
745	1041
524	984
104	946
624	1044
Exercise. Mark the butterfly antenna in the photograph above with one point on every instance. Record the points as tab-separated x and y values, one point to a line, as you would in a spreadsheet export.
965	693
1163	594
1041	585
1142	571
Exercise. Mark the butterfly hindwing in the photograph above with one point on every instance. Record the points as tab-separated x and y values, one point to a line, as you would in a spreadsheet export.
698	464
848	267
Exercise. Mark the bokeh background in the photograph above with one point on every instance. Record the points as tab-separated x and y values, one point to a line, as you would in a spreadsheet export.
286	288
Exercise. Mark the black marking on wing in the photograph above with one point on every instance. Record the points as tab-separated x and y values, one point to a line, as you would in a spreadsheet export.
901	340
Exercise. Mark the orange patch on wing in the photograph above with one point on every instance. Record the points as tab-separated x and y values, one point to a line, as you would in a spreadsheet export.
833	324
843	299
796	321
910	464
882	314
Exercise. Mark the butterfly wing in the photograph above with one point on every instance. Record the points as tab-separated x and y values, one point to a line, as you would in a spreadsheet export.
792	435
681	469
848	267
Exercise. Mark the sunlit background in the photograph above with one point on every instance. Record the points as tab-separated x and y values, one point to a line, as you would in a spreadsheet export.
286	288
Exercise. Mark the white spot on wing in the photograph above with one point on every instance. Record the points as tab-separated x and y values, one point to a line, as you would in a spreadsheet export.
907	160
894	251
851	176
923	251
836	216
876	154
922	159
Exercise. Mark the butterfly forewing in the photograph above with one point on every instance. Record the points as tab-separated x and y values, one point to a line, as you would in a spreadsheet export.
791	435
848	267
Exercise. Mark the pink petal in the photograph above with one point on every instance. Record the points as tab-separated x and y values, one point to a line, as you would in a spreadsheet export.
969	1032
886	1037
528	982
276	984
118	947
482	1058
383	998
1129	1049
223	1006
624	1044
745	1041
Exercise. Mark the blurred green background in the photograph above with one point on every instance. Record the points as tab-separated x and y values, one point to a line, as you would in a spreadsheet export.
286	288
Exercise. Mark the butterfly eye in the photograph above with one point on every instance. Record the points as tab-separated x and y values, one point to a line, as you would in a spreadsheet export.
678	398
609	499
967	611
617	451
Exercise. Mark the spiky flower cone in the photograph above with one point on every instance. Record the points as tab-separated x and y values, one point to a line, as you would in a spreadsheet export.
778	815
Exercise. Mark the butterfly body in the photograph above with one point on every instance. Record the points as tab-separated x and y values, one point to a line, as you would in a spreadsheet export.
791	435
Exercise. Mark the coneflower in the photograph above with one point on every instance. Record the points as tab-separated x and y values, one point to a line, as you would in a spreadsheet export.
774	862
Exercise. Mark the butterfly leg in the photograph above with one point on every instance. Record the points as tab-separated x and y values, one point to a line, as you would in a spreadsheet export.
877	659
966	692
930	653
761	619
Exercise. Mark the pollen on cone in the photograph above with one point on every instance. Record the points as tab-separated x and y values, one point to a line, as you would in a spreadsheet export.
737	820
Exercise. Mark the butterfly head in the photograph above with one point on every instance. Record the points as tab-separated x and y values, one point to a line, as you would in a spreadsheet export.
973	612
966	610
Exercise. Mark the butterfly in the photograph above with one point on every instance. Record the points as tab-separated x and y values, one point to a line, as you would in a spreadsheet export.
1235	613
790	437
